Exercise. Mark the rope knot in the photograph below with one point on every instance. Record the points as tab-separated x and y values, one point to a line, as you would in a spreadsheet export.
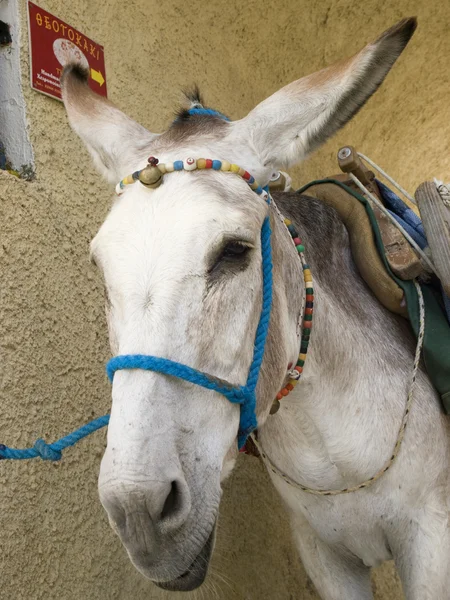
46	452
237	395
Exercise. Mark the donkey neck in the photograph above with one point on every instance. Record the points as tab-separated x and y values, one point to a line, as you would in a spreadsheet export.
352	392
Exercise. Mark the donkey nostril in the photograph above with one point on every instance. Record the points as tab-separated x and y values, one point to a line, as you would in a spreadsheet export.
173	501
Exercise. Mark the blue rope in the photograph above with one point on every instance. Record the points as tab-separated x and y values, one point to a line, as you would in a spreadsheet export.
243	395
208	112
53	451
235	394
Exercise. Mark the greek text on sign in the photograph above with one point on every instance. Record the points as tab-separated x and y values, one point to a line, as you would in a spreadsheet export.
53	44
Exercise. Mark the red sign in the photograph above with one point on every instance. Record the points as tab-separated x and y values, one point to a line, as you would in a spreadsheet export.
53	44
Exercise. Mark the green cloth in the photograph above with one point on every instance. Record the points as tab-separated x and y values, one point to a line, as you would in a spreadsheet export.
436	343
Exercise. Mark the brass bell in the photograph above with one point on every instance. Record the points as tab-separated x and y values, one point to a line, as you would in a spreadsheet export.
150	176
280	181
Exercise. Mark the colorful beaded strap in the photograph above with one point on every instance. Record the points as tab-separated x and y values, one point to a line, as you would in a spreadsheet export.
306	318
151	176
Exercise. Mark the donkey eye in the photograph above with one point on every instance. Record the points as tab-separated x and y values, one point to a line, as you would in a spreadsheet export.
233	255
234	250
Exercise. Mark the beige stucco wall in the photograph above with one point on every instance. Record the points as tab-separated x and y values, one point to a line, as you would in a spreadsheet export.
55	542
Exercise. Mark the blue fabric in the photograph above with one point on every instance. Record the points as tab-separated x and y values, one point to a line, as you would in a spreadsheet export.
411	223
243	395
403	215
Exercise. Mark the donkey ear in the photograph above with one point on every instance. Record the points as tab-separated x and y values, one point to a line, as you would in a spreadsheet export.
115	142
300	117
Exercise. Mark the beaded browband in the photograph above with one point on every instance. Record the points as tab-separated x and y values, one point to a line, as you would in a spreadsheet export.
151	176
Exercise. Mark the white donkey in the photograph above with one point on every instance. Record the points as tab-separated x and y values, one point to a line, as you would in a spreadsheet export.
182	270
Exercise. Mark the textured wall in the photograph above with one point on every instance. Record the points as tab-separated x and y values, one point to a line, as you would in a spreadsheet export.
55	542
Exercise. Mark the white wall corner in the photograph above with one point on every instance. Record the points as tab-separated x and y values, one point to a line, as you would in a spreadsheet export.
13	123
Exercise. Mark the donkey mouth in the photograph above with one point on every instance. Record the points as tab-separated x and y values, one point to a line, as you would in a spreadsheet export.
195	574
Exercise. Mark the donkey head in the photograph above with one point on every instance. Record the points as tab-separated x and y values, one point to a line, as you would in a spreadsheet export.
182	271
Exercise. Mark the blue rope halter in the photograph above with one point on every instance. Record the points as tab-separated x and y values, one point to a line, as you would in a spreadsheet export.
245	395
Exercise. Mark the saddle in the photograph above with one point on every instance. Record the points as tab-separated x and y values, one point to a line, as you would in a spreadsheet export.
385	258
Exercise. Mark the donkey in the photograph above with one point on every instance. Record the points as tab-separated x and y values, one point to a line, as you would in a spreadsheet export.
182	266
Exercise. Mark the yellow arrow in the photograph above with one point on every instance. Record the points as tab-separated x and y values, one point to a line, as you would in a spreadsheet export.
98	77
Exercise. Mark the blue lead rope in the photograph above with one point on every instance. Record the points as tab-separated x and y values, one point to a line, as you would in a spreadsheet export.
53	451
243	395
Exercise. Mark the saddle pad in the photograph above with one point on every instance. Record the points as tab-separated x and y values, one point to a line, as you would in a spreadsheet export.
369	256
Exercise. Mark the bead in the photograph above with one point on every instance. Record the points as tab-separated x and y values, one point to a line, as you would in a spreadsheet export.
292	231
208	164
294	376
293	382
201	163
302	357
153	161
309	289
300	248
307	324
279	396
178	165
305	266
162	168
308	311
225	166
309	298
216	164
300	363
289	387
190	164
246	176
234	168
251	180
119	189
297	241
241	172
309	304
284	392
306	273
287	222
259	190
254	185
307	318
127	180
299	369
169	167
